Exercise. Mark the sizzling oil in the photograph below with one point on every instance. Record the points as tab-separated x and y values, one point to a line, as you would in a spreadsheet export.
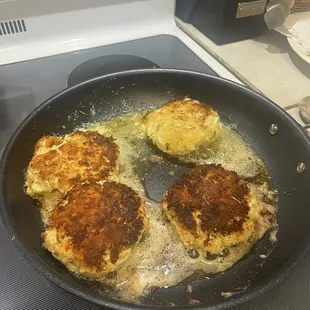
160	259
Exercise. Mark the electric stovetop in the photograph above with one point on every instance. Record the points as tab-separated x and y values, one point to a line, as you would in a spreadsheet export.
23	86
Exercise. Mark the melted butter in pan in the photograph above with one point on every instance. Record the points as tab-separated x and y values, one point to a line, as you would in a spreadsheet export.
160	259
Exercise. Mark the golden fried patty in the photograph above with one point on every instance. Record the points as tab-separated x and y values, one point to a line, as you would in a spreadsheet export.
180	127
59	162
94	227
211	208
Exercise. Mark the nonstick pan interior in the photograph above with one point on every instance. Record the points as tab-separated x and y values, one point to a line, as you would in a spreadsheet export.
105	97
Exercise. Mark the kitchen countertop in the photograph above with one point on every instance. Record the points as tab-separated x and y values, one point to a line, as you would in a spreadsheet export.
266	63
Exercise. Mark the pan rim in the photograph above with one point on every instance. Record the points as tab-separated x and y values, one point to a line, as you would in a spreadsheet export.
49	272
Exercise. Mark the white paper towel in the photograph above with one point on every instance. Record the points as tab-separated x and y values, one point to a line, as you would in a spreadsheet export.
297	27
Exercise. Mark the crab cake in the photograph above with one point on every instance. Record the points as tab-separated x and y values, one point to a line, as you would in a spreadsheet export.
95	226
60	162
211	208
180	127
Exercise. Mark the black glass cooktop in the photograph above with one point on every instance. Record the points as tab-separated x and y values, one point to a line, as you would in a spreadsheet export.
23	86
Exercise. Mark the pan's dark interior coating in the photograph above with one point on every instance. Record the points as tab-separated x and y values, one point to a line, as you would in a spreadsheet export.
116	94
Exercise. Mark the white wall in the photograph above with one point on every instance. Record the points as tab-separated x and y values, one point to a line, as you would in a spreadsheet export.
14	9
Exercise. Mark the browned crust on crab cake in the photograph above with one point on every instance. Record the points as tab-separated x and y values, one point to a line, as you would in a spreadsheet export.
59	162
95	226
211	208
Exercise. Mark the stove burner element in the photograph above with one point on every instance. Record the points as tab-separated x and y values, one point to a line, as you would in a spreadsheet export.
107	64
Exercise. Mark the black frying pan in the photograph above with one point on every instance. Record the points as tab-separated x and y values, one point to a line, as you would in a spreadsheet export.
118	93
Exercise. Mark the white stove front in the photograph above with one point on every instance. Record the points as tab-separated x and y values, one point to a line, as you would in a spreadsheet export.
33	29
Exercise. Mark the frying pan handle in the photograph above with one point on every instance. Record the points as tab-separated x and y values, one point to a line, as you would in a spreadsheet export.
306	126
